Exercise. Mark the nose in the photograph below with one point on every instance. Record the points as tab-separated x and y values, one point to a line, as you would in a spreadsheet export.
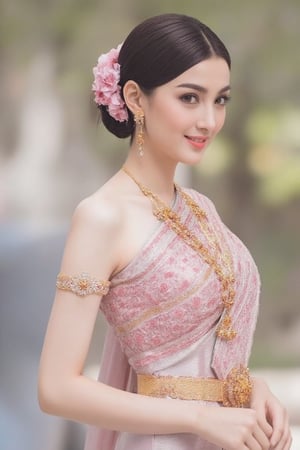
206	118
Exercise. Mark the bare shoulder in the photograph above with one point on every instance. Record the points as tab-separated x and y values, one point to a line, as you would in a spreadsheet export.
93	240
102	209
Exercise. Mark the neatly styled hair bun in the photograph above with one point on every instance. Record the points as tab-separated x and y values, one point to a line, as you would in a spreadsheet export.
119	129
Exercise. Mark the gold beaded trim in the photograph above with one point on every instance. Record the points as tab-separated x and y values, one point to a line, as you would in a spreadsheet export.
82	284
234	391
223	269
217	257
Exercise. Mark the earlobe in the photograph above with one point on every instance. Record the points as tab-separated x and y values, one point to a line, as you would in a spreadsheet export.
132	96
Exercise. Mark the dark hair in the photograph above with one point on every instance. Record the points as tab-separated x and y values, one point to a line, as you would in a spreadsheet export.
158	50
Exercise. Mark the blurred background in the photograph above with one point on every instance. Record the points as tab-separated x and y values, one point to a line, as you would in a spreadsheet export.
54	152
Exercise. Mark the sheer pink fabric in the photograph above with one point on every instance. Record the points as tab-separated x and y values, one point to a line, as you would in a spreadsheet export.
163	309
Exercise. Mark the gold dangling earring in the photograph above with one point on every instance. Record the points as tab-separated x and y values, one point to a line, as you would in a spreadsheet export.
139	119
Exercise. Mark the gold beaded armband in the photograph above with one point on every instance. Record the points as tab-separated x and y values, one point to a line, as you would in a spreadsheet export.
82	284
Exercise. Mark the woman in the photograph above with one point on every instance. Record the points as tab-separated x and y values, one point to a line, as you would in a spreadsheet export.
178	289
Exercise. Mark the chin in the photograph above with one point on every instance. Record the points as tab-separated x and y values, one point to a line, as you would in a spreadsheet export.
194	159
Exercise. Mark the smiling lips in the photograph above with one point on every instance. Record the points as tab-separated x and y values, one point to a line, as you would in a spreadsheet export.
197	141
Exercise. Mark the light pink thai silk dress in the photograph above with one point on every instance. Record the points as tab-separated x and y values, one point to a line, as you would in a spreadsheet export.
163	310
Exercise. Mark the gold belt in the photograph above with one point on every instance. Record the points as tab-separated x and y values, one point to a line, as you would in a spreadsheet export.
234	391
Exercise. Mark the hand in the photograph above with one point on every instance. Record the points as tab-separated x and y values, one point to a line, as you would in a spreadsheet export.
269	410
234	428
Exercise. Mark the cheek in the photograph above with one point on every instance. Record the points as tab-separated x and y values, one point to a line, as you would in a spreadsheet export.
165	118
220	120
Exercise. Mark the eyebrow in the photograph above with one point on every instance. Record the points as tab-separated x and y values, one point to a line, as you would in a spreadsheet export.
199	88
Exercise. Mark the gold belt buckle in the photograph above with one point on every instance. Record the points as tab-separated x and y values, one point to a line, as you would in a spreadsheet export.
237	388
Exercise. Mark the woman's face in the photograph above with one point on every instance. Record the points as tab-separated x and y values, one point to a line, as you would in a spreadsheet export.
184	115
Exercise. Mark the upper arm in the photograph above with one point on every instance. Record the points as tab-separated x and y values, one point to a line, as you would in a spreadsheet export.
91	247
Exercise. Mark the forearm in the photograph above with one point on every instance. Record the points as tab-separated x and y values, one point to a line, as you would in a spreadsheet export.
91	402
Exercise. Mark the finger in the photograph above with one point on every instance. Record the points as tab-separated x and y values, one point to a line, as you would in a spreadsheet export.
289	443
285	441
253	444
262	420
265	426
279	426
261	438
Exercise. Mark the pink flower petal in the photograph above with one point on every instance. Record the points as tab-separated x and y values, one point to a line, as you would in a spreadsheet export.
105	85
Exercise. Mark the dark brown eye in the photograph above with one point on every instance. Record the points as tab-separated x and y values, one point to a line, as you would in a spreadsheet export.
223	100
189	98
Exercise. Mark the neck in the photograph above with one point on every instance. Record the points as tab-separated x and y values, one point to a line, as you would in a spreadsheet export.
154	173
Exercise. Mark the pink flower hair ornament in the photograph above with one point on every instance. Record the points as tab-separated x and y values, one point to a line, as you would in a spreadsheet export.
106	84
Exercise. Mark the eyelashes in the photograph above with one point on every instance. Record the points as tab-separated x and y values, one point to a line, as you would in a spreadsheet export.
192	98
223	100
189	98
